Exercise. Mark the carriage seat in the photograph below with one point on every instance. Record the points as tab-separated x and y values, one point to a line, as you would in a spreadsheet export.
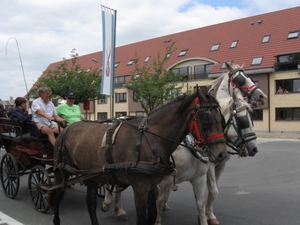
12	129
35	133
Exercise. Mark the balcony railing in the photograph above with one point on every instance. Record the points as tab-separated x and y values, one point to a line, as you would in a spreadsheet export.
286	66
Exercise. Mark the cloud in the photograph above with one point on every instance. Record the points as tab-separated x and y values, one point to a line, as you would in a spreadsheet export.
48	30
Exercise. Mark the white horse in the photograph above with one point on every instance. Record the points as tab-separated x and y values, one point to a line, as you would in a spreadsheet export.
234	80
240	136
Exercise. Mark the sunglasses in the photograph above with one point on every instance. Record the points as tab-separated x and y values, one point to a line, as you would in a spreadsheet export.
71	98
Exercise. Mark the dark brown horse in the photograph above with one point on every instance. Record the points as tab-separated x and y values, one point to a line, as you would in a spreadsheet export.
139	153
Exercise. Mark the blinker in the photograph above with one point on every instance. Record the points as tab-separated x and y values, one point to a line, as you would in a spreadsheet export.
243	122
239	80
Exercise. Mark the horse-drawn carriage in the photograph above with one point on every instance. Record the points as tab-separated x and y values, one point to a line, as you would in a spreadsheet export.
102	153
28	153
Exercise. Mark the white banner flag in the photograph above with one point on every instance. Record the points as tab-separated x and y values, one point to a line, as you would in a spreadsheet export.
109	17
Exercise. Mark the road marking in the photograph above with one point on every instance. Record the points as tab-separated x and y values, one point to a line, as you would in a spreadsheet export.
6	220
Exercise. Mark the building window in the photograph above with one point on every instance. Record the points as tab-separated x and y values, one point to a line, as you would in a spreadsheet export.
256	61
121	97
266	39
119	114
287	114
130	62
102	116
202	71
224	65
234	44
168	55
89	69
147	59
215	47
257	114
120	81
293	34
183	71
287	86
116	64
287	62
102	100
182	53
174	93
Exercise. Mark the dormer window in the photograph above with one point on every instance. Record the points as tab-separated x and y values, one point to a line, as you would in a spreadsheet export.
147	59
256	61
293	34
168	55
182	53
266	39
215	47
234	44
130	62
224	65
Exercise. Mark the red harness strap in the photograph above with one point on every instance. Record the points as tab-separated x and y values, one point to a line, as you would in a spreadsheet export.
194	129
245	88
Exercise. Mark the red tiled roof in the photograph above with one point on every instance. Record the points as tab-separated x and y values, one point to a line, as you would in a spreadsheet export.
199	42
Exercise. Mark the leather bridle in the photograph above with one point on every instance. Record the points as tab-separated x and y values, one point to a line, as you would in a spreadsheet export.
239	145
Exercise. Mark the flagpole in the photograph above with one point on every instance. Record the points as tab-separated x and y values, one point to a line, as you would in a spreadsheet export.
113	86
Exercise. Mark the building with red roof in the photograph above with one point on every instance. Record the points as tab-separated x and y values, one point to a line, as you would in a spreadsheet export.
267	45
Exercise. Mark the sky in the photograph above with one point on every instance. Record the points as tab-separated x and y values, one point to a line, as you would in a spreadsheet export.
36	33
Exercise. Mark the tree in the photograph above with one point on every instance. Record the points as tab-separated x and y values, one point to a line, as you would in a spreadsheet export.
70	76
153	84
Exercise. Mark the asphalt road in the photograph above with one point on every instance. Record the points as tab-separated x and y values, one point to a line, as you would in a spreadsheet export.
263	190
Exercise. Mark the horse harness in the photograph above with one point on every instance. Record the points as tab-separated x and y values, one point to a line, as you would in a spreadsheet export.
160	167
238	82
242	122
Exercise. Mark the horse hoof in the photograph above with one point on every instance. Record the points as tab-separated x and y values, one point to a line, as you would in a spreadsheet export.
213	222
104	208
123	217
166	208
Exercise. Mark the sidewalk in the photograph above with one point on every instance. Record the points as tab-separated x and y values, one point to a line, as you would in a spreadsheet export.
280	135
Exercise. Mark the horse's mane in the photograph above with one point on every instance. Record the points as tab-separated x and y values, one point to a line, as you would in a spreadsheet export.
215	84
186	98
186	101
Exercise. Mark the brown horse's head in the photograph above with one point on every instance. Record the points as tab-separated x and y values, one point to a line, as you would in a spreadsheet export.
206	125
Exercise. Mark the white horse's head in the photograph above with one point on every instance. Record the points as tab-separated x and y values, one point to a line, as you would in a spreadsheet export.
239	79
239	131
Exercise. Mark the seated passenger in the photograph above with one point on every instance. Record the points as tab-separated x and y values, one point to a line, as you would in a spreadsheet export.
3	112
20	114
44	114
70	111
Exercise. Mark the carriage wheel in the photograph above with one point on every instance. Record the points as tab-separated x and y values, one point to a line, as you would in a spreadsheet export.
39	178
9	174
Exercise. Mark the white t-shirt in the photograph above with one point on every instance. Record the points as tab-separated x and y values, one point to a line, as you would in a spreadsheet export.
47	108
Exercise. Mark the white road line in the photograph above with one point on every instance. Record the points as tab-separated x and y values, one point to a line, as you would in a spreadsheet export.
6	220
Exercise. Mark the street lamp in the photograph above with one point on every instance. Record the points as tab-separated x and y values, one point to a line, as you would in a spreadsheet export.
20	60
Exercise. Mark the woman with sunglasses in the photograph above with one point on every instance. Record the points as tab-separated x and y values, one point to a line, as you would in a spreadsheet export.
69	111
